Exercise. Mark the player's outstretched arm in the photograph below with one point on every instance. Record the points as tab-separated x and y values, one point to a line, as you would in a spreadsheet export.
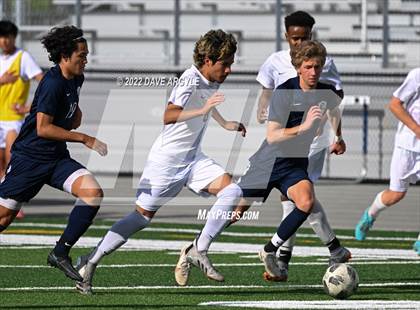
263	103
228	125
396	107
339	146
47	130
174	113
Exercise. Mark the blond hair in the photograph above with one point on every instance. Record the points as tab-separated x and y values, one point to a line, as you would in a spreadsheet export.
308	50
216	45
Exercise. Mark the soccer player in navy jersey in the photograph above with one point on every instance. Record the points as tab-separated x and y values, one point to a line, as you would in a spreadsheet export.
298	109
40	155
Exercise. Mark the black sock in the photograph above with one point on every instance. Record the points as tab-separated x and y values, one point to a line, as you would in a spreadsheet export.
270	247
79	221
2	228
334	244
285	256
291	223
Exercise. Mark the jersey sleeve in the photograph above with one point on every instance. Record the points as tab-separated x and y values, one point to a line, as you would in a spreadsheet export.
181	94
265	74
280	106
49	96
29	68
409	87
330	75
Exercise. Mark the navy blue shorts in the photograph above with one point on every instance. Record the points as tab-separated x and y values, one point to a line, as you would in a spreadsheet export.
24	178
257	183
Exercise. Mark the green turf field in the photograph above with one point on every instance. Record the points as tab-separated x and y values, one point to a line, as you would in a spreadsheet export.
137	277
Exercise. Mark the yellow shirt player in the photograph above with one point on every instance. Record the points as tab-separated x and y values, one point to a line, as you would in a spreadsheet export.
17	68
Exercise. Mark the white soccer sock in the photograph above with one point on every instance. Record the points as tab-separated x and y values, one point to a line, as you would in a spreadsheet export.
319	222
288	207
276	240
217	216
118	235
377	206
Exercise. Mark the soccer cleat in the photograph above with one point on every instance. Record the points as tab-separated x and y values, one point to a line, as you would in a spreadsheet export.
284	271
183	267
272	269
64	264
20	215
201	260
416	246
362	228
341	255
87	271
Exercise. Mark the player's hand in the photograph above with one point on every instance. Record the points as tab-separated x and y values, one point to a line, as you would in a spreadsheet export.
20	109
313	117
96	145
262	115
8	78
77	119
213	101
338	148
235	126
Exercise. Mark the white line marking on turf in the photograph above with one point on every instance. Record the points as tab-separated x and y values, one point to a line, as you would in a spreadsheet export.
227	264
225	233
146	244
317	304
164	287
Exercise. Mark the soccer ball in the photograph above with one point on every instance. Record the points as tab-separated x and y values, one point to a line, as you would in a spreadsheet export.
340	281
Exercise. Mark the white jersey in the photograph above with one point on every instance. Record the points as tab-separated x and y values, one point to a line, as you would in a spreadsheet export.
28	69
278	68
409	93
179	143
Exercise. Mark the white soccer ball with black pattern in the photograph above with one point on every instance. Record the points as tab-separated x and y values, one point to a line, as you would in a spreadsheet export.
340	281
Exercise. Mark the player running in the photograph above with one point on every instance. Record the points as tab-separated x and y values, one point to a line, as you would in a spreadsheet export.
40	155
405	163
297	109
176	160
276	70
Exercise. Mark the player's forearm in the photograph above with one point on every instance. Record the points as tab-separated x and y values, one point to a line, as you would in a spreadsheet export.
334	116
401	114
56	133
283	134
176	116
218	118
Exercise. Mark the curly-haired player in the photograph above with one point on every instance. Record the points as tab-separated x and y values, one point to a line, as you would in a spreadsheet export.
40	155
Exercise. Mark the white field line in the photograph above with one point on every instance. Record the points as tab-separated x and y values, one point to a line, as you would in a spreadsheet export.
228	264
318	304
226	233
164	287
145	244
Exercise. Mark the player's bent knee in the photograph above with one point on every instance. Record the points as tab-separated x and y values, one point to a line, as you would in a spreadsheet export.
397	197
305	205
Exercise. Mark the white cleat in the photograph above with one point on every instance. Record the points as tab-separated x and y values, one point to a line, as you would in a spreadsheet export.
87	270
201	260
272	270
183	267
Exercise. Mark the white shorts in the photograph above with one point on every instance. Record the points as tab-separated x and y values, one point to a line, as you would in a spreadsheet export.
405	169
316	160
5	127
159	184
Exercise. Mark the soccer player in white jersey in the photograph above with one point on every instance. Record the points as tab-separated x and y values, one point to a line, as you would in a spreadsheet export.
405	163
277	69
176	160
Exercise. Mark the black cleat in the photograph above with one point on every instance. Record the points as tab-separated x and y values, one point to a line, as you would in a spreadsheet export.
64	264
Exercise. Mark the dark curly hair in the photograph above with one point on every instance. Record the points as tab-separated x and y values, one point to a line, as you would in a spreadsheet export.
62	42
216	45
8	28
300	19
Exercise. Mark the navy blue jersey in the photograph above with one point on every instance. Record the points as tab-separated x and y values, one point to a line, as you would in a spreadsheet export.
289	106
59	98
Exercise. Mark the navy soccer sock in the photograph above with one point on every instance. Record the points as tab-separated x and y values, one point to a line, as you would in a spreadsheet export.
2	228
80	219
287	228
